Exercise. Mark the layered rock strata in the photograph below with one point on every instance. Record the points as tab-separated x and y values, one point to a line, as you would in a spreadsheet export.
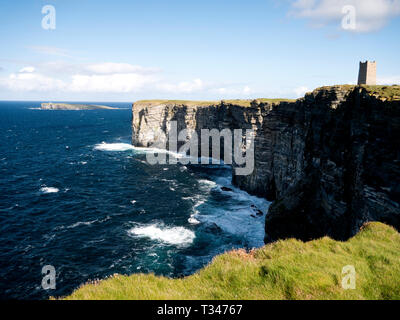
330	161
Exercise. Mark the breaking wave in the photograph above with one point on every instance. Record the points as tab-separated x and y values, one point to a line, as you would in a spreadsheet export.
49	190
170	235
113	146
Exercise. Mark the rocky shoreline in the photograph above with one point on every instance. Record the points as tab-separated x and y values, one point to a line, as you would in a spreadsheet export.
330	161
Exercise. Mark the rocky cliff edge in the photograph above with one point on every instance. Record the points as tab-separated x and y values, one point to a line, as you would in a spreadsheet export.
329	162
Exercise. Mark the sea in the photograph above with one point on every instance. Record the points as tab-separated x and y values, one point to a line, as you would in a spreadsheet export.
76	195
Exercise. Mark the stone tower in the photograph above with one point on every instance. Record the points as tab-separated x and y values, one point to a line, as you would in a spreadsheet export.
367	73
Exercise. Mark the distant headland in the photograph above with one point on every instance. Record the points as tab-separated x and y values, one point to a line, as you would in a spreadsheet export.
68	106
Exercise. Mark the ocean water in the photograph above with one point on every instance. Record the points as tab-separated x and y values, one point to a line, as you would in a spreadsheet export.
75	194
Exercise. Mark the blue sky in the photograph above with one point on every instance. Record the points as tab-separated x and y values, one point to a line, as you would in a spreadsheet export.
128	50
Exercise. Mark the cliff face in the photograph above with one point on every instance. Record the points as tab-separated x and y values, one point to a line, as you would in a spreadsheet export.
334	165
330	161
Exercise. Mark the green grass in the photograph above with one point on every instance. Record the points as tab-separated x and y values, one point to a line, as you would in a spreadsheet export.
382	92
247	102
390	93
192	103
178	102
288	269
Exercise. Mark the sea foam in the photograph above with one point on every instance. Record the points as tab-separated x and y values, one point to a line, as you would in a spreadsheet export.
170	235
113	146
120	146
49	190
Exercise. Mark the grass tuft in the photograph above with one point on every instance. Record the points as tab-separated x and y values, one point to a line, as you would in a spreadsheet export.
386	93
288	269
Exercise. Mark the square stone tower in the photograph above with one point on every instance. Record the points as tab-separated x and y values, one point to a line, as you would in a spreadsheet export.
367	73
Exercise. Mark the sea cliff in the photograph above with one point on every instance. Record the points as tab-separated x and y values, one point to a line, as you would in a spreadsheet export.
330	161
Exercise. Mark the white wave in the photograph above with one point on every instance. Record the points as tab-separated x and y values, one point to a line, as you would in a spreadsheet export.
49	190
193	220
206	185
88	223
238	215
133	201
157	150
113	146
141	161
187	198
170	235
241	195
198	204
81	223
207	182
193	217
120	146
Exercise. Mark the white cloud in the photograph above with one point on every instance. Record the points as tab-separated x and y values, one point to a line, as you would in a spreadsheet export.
235	91
68	77
111	78
53	51
301	91
116	83
182	87
112	68
29	81
27	70
388	80
68	68
370	15
247	90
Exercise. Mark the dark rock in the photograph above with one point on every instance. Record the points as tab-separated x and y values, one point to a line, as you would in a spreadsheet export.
256	210
212	228
226	189
346	171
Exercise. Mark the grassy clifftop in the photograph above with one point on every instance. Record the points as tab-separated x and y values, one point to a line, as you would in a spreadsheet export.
288	269
383	92
236	102
389	93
